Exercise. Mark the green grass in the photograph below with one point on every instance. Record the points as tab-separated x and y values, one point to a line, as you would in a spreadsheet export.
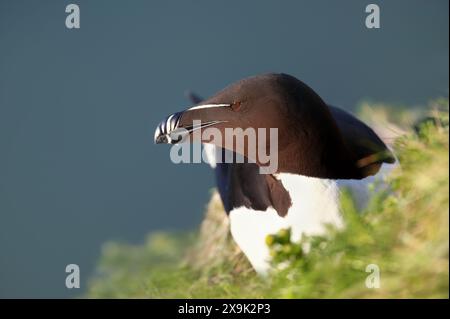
403	230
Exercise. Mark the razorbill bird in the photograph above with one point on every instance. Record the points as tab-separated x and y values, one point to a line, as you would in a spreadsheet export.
319	147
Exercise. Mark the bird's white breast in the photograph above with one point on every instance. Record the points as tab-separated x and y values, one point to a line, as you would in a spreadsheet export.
315	203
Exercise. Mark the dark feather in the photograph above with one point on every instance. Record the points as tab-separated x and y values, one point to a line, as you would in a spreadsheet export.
361	140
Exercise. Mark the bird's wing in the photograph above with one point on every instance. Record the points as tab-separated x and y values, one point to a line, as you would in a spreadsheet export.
361	140
193	97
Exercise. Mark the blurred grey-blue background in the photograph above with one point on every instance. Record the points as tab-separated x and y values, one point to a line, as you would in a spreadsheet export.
78	107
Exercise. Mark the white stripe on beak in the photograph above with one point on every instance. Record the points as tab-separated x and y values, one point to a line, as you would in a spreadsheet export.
206	106
169	124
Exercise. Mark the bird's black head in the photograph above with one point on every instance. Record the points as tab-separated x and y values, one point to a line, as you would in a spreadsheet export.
309	140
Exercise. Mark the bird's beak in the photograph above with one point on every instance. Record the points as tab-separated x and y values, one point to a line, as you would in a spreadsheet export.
178	127
165	129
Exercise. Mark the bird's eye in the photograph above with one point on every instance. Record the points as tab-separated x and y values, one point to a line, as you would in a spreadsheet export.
235	106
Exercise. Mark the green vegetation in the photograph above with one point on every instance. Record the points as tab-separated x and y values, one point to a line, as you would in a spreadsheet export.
403	230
